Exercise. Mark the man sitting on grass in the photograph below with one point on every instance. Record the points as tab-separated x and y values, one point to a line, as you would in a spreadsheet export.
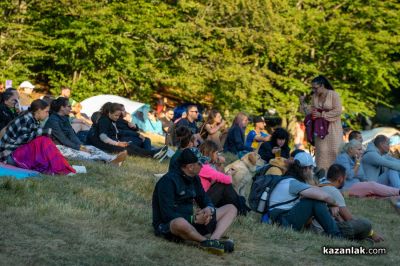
173	215
351	227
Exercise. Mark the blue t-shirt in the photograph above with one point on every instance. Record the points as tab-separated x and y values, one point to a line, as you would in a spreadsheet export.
250	140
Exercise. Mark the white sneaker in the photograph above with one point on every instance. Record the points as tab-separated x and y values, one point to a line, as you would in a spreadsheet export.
161	153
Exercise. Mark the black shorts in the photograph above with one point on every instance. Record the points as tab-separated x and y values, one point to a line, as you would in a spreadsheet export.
164	230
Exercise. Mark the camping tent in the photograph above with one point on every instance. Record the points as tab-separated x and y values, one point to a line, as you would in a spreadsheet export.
93	104
369	135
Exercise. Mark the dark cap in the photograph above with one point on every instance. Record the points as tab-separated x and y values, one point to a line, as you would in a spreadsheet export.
187	157
258	119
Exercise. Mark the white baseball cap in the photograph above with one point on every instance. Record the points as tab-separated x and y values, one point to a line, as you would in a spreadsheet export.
304	159
26	84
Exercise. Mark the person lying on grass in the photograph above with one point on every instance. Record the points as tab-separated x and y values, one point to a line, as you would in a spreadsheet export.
173	215
351	227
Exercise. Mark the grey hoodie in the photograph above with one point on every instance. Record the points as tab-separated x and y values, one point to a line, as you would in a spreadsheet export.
374	163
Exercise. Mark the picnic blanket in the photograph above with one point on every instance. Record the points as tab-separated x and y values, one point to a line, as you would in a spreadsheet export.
18	173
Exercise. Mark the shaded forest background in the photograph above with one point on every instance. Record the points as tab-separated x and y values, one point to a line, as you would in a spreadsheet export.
248	55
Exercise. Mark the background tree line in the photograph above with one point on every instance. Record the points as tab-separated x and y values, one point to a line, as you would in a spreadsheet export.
247	55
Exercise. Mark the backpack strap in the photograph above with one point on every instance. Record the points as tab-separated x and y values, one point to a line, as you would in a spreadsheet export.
283	203
326	185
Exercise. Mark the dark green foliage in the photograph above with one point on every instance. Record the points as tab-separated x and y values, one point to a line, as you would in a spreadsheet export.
237	55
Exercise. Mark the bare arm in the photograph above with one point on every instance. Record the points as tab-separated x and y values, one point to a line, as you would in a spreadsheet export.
345	213
317	194
259	138
211	130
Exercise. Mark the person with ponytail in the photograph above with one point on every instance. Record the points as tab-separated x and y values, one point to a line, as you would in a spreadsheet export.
105	135
67	140
327	108
26	144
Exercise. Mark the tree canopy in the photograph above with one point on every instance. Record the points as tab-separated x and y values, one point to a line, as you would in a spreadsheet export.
247	55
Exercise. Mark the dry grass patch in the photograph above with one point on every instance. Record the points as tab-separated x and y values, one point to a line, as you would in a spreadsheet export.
104	217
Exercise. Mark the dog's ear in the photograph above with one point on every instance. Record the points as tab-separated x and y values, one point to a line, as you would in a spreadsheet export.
253	158
231	171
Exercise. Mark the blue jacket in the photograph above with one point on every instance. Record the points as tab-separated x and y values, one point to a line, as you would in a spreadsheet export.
173	197
347	162
374	163
235	141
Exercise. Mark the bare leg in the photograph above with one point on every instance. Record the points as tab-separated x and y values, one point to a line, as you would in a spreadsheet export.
365	189
182	228
225	216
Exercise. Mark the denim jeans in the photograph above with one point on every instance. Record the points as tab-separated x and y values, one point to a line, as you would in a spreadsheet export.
390	178
300	215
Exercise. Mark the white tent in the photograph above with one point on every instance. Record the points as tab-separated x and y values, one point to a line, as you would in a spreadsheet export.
93	104
369	135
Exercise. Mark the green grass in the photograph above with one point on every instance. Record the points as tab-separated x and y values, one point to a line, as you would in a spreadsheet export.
104	217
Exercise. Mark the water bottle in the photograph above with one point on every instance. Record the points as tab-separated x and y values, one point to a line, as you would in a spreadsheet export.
263	201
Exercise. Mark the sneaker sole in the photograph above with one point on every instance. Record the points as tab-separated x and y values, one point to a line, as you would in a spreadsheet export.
215	251
161	153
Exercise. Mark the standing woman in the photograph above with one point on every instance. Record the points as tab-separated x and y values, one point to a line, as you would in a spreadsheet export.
212	128
326	105
24	145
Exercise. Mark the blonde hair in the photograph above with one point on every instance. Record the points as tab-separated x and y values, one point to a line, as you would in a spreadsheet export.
350	145
238	119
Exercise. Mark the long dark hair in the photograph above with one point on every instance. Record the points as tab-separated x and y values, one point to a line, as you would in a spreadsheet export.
280	133
56	104
183	136
298	172
321	80
6	95
210	120
105	109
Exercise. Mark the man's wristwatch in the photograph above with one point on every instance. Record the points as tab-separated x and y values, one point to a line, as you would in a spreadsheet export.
212	209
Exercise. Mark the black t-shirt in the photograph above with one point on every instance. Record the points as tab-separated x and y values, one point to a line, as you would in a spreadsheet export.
191	125
166	123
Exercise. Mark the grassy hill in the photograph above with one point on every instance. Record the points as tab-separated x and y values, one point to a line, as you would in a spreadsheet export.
104	218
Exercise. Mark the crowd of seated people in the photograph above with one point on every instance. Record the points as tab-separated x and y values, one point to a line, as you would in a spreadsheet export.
49	133
196	175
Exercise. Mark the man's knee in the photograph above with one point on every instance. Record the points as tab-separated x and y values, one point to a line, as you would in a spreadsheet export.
178	224
228	208
392	172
